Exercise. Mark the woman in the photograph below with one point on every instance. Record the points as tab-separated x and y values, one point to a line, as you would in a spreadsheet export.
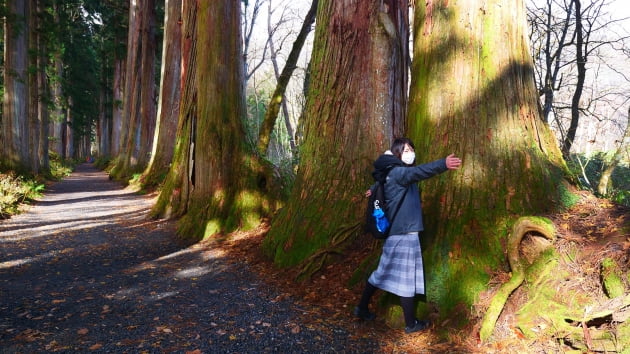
400	269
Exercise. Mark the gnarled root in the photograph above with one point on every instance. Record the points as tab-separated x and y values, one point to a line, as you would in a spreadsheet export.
318	259
522	226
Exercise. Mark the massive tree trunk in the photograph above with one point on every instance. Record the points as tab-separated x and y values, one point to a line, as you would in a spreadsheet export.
472	94
214	183
354	107
15	134
139	111
118	83
170	93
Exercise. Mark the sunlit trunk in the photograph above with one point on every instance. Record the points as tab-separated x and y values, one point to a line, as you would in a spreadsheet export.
355	105
170	94
472	94
214	183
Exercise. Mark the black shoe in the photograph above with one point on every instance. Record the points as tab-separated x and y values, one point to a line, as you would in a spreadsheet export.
419	326
363	314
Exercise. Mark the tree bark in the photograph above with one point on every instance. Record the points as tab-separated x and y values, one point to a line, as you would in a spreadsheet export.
117	113
15	133
34	123
139	112
57	122
214	183
170	93
353	109
579	85
472	94
43	96
173	199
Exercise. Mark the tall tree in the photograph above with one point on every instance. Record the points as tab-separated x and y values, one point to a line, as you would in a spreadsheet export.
214	182
139	108
549	36
354	107
170	93
572	45
580	61
472	93
15	134
277	98
41	92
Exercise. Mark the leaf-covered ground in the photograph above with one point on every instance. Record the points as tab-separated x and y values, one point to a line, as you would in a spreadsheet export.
595	227
85	270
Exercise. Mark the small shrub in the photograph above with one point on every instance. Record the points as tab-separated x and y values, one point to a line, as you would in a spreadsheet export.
59	168
14	190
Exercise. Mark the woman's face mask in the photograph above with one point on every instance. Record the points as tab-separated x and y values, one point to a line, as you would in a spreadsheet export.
408	157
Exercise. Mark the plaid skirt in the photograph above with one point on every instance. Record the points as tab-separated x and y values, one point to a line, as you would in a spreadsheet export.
400	269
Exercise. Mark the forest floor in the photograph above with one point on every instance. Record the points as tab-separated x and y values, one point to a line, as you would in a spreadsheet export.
597	226
123	283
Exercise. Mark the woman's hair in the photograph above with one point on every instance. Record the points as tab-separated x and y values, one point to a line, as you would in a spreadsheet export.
398	146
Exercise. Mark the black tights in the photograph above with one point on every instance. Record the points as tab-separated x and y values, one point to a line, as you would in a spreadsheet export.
406	303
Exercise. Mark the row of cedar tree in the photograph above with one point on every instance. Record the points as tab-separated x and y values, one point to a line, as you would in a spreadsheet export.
471	93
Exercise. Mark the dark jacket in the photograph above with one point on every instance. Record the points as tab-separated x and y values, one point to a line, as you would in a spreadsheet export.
401	186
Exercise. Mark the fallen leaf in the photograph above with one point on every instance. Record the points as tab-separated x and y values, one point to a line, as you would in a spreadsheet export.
83	331
96	346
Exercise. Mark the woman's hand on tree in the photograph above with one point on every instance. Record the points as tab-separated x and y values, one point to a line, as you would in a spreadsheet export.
453	162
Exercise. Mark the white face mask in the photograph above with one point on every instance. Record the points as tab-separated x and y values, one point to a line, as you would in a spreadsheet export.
408	157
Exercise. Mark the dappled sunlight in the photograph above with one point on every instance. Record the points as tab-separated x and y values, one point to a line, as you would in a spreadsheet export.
27	260
193	272
19	235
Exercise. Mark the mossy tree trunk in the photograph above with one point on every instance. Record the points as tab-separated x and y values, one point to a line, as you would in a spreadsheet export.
170	93
355	105
214	183
472	94
139	109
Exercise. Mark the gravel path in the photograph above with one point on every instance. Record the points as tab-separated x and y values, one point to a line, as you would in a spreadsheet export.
84	270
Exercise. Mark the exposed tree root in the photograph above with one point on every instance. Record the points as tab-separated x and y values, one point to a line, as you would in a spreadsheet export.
317	260
522	226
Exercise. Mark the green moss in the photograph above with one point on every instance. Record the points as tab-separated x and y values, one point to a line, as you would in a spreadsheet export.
543	266
212	227
611	278
567	199
623	337
394	317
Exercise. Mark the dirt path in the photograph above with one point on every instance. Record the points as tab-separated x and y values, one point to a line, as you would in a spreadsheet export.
84	270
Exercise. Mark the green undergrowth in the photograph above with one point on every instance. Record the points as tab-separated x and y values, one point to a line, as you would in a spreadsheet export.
18	189
15	191
588	168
